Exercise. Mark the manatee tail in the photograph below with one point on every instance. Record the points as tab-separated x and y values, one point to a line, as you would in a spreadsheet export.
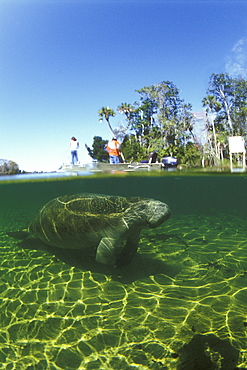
21	234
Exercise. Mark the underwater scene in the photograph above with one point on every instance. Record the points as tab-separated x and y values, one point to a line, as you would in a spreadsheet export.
179	304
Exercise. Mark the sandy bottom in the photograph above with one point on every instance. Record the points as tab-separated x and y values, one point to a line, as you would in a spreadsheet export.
180	304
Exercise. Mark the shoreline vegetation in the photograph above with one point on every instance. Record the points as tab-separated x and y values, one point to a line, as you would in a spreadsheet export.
8	167
162	122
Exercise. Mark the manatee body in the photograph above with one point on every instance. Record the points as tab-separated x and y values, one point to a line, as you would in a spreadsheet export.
106	227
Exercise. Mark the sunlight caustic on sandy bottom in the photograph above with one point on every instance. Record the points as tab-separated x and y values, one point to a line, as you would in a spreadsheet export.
181	301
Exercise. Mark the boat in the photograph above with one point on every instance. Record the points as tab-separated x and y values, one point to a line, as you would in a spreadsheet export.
96	167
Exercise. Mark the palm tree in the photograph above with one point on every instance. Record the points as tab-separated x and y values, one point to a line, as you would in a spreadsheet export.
126	109
106	112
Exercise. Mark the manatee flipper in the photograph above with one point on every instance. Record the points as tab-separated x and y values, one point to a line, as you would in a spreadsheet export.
106	251
129	250
21	234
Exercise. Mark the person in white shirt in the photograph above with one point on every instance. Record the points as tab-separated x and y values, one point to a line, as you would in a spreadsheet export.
74	145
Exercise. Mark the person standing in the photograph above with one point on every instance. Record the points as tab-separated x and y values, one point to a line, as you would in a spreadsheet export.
153	157
113	148
74	145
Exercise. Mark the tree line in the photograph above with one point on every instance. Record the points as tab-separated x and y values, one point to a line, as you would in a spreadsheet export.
8	167
162	121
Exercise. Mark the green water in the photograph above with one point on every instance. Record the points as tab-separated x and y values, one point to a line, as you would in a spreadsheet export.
180	304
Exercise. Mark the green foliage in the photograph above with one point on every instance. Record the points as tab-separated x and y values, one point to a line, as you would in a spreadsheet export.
128	110
226	113
161	121
143	119
106	113
239	108
8	167
229	95
192	155
98	151
132	150
171	150
171	117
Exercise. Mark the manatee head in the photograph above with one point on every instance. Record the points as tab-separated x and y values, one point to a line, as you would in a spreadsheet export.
156	213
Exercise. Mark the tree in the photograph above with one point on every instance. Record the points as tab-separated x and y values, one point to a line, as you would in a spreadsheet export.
173	116
132	150
106	113
144	121
8	167
239	109
221	87
226	104
212	106
98	152
160	119
128	110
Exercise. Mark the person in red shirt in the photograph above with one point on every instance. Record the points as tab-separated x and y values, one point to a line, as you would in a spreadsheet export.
113	148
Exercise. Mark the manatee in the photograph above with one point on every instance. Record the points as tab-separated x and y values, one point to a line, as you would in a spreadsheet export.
105	227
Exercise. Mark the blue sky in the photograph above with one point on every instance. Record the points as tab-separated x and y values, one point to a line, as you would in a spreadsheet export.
62	60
